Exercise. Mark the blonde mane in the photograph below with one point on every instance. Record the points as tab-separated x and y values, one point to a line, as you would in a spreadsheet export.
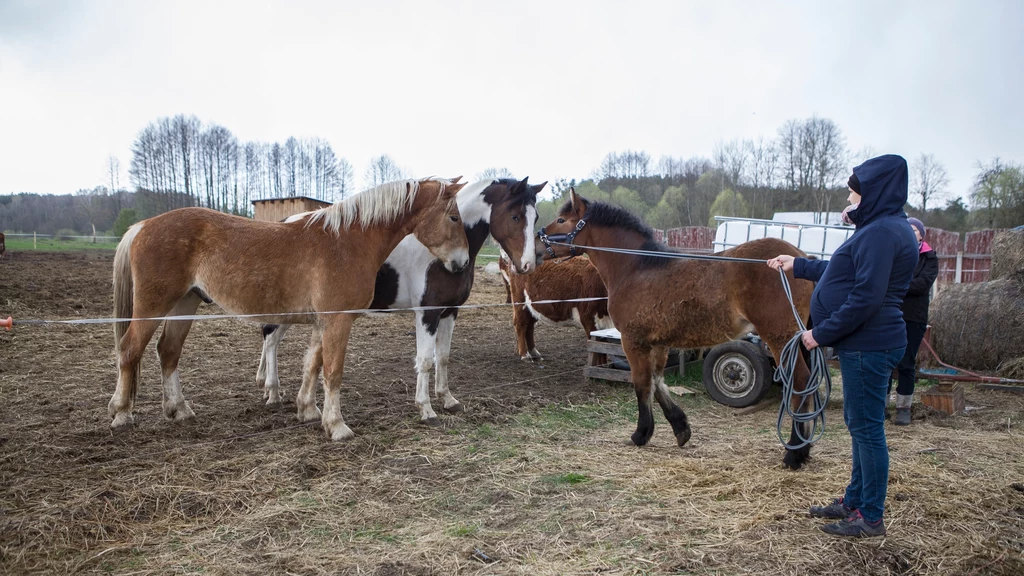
375	206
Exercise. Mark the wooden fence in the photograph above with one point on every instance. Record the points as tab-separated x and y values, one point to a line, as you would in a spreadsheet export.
961	260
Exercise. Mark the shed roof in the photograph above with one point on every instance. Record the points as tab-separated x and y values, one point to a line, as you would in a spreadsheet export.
317	200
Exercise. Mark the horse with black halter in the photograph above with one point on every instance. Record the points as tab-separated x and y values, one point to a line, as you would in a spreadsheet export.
290	272
657	303
413	277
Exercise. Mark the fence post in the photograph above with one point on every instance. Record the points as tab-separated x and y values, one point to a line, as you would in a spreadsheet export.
959	268
34	240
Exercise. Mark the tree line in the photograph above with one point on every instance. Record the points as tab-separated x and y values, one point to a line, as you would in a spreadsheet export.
179	162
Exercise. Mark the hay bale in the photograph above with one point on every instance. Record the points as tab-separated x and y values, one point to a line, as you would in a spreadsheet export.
977	326
1012	369
1008	255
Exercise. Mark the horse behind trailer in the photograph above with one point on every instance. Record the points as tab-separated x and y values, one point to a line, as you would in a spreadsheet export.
170	263
562	279
658	303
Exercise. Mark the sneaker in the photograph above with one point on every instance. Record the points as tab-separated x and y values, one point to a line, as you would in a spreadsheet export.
855	526
902	417
835	510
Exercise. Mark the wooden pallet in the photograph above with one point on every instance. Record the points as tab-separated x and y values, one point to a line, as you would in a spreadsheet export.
605	343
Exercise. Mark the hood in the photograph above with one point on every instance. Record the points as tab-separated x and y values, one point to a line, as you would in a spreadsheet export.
883	189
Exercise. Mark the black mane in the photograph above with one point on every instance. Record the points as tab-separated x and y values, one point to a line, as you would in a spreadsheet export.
612	216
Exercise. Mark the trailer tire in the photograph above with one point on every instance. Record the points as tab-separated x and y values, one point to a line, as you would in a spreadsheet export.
737	373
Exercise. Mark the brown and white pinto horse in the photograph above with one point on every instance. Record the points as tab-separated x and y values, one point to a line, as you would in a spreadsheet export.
169	263
562	279
657	303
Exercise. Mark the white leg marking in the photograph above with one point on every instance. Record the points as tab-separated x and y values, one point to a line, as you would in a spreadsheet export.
441	353
272	385
425	343
175	407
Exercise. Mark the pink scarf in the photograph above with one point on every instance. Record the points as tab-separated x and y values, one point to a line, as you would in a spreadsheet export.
925	247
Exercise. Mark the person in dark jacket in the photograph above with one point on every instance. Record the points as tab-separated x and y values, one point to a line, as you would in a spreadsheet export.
915	314
855	308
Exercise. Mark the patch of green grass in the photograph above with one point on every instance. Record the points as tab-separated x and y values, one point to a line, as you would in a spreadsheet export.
463	530
485	431
505	453
571	479
692	377
23	244
616	409
487	254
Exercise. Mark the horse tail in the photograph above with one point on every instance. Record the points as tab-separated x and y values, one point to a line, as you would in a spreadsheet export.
124	294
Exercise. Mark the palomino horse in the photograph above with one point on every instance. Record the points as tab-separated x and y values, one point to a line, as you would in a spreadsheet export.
169	263
657	303
413	277
563	279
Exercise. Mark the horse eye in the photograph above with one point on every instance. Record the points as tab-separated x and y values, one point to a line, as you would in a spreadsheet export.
454	218
515	218
561	220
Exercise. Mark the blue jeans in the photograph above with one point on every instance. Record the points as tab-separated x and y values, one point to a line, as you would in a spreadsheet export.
865	379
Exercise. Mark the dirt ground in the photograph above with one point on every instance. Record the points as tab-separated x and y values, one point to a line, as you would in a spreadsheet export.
535	477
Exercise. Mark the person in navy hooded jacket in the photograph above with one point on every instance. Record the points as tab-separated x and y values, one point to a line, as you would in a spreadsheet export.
855	308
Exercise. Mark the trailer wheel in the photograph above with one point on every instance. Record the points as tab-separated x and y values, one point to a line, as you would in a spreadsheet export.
737	373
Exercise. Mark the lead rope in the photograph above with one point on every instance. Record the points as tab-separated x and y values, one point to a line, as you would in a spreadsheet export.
814	397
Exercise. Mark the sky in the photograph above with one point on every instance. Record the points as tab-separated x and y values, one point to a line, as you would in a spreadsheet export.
545	89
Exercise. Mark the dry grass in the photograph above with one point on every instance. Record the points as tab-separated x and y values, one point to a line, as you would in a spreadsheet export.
535	478
552	491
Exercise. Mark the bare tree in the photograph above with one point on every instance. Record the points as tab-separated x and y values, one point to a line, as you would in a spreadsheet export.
929	179
382	169
494	174
628	164
731	158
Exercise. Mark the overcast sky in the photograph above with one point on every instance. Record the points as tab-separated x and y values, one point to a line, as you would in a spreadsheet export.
545	89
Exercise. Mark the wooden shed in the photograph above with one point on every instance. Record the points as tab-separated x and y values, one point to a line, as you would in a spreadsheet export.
277	209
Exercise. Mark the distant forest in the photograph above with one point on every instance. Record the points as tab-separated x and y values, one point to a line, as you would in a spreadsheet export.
180	162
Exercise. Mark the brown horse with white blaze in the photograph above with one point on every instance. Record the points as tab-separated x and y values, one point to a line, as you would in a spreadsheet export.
168	264
658	303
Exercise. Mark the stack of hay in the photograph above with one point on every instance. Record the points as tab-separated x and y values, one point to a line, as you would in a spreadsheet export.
980	326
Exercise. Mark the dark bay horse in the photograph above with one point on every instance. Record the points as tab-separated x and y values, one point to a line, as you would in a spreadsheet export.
657	303
562	279
328	262
414	277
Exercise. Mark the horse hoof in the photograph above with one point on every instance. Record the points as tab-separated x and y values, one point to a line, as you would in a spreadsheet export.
122	419
683	437
456	408
180	413
308	414
433	422
342	432
639	438
794	459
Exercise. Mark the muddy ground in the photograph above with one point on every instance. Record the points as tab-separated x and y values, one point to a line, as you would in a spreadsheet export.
535	477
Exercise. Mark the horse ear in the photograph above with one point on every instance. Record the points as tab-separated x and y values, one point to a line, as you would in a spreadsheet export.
451	190
456	179
538	187
519	187
577	203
